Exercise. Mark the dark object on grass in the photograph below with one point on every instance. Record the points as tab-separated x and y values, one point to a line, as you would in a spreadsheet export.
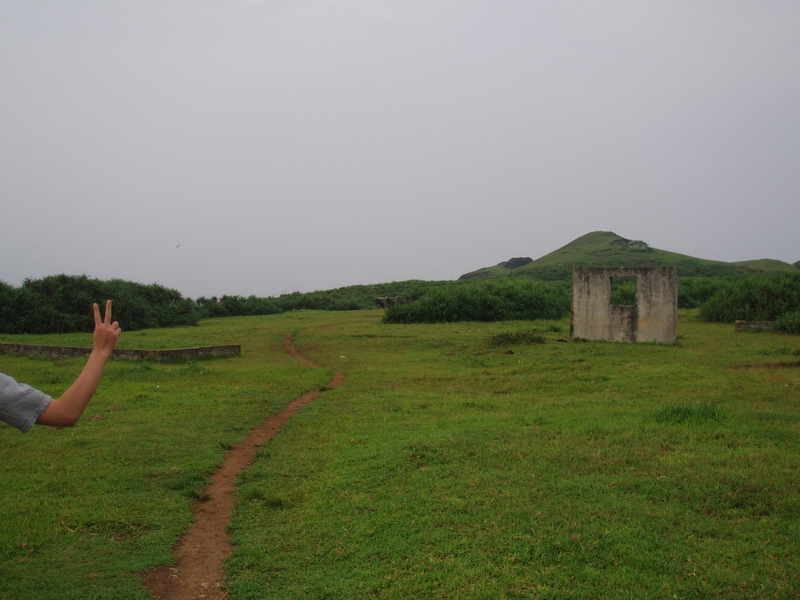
515	338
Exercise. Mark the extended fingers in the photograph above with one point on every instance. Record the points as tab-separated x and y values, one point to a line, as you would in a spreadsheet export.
97	319
108	313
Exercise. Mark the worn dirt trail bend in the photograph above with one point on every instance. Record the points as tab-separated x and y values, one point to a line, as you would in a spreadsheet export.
201	553
292	349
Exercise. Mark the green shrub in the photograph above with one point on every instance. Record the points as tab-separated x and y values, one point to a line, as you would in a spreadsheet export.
789	322
63	304
237	306
493	300
624	293
695	291
754	298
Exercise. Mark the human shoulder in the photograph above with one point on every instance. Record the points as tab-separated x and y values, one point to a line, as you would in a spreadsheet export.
20	404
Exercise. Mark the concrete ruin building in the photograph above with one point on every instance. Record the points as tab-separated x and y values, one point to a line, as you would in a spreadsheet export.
653	317
638	245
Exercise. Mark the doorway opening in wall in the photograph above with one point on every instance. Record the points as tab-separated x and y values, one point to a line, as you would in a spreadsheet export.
623	291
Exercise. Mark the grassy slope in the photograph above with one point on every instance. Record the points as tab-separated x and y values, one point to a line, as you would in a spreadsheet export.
607	249
765	264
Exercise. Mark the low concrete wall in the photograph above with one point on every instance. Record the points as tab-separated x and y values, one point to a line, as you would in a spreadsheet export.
752	326
56	352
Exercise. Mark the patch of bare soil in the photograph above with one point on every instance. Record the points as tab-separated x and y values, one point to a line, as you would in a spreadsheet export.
198	572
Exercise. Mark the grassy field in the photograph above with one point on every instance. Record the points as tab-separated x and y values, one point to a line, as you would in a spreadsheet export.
86	508
453	463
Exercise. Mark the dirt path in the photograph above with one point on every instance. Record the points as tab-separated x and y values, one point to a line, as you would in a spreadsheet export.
203	550
291	349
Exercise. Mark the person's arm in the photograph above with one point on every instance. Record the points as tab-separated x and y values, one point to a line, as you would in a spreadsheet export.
66	410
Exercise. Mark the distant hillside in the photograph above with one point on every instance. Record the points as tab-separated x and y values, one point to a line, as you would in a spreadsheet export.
607	249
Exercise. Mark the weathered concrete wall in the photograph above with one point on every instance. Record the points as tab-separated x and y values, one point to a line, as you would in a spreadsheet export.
654	317
57	352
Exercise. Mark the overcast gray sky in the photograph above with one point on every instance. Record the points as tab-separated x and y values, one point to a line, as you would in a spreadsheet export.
249	147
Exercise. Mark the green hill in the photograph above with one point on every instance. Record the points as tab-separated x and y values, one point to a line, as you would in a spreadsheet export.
607	249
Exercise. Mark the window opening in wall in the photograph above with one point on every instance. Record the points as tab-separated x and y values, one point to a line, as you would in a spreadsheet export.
623	291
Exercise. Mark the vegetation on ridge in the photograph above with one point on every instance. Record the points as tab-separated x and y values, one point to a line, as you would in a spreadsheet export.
607	249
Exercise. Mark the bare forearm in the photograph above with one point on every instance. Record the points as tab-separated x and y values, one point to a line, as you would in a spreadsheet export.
66	410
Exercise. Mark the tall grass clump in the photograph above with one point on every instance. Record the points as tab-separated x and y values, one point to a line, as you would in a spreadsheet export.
754	298
624	293
690	413
788	323
693	292
494	300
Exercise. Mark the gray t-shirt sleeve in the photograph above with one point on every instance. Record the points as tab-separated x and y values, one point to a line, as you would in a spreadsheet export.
20	404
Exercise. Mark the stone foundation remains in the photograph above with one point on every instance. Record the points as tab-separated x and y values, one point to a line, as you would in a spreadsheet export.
740	326
58	352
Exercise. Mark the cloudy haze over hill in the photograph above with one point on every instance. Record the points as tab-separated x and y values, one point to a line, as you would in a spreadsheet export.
251	147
